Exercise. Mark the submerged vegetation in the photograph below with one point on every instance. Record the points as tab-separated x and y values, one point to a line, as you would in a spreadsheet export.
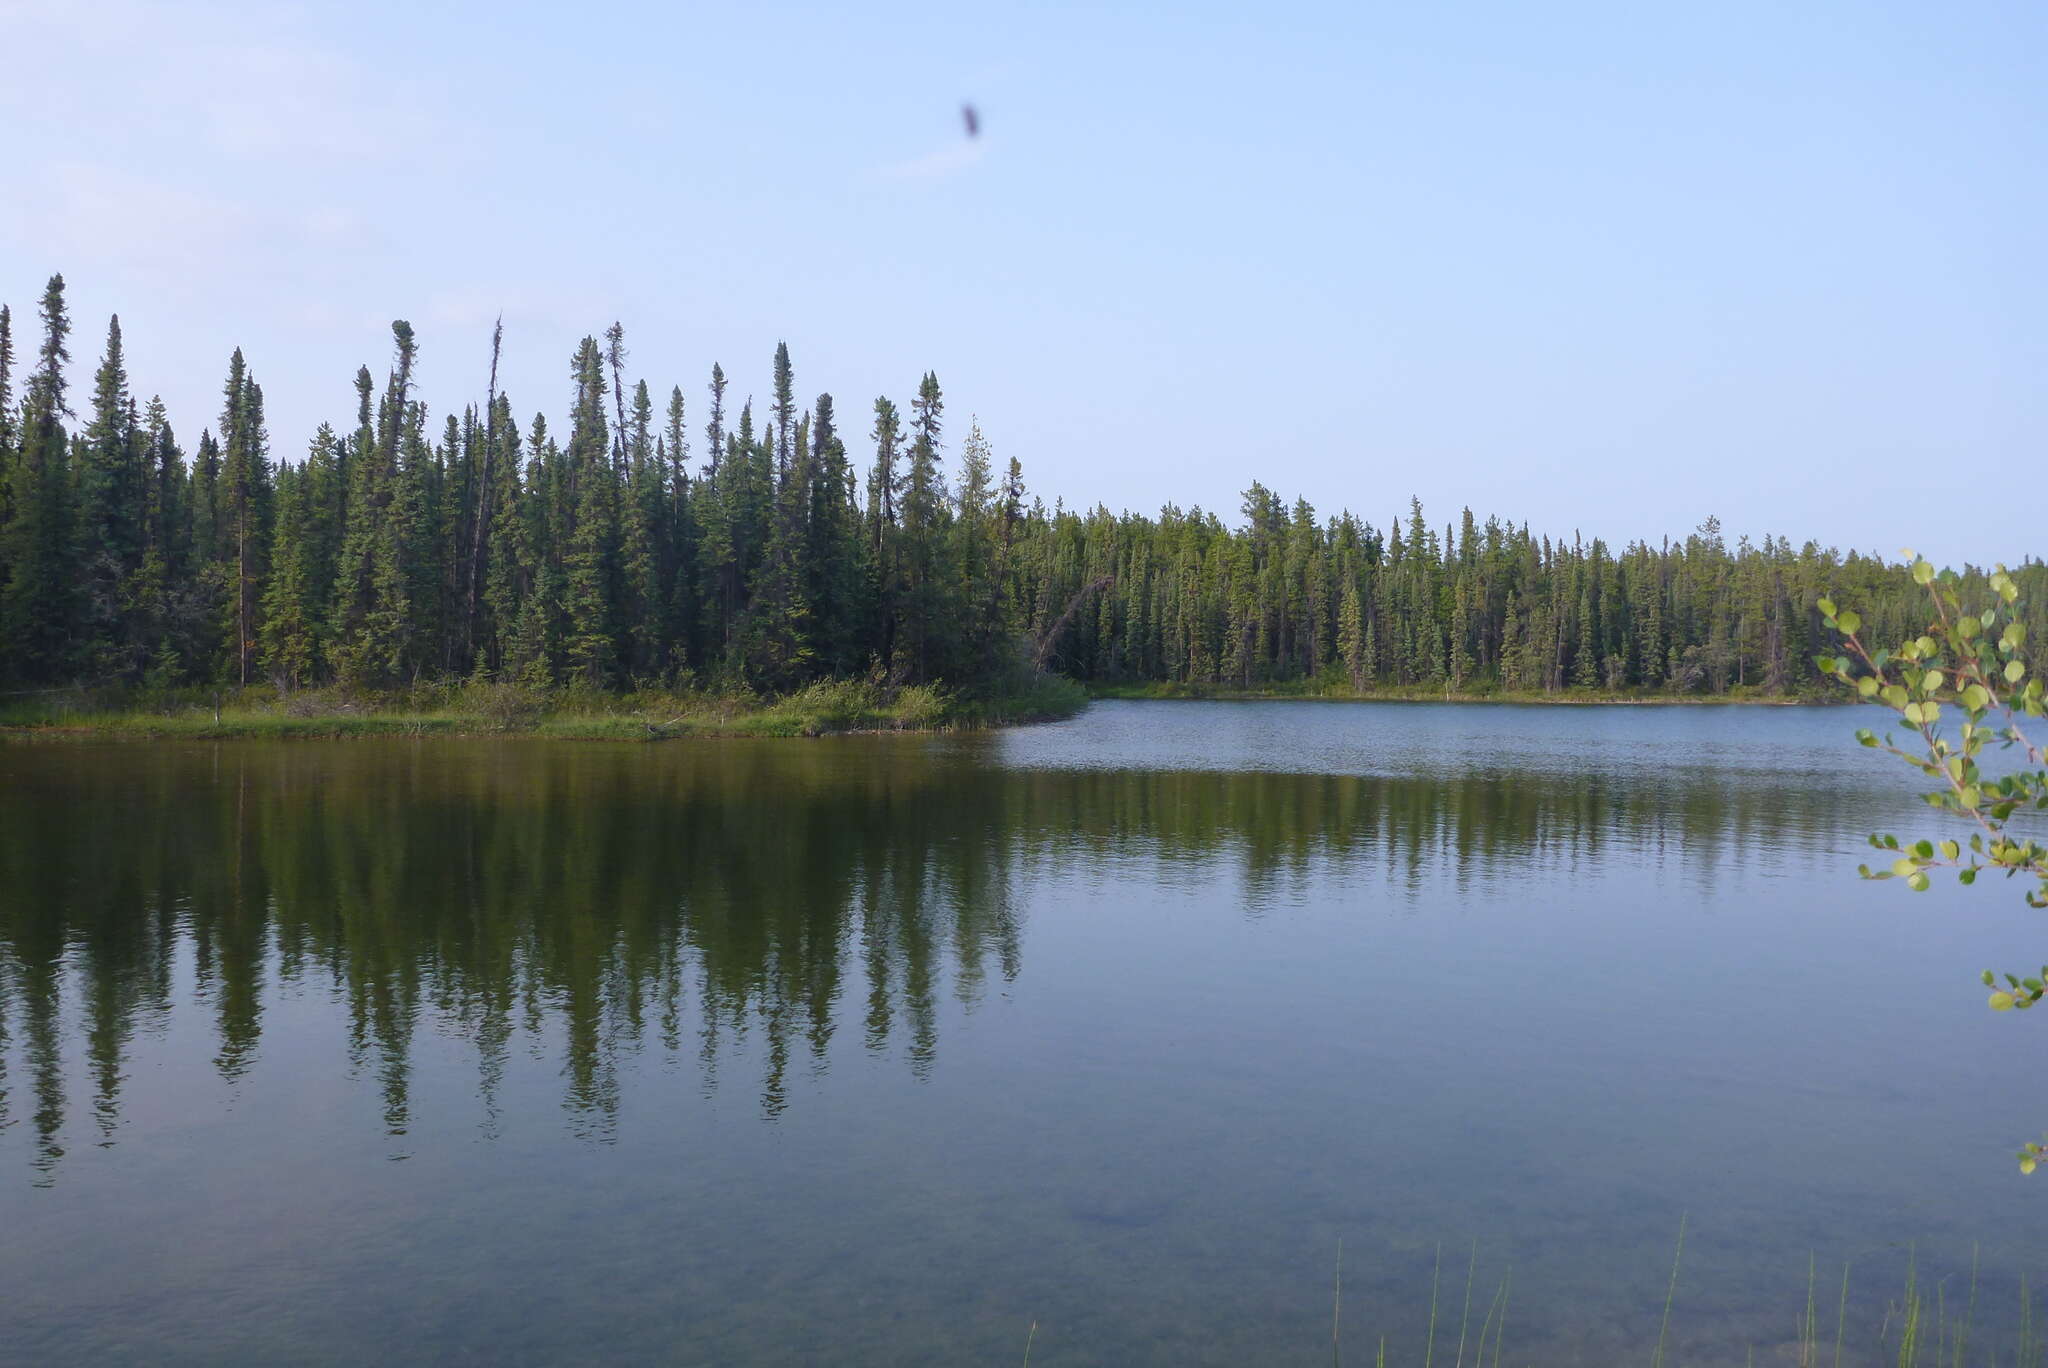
1917	1328
637	547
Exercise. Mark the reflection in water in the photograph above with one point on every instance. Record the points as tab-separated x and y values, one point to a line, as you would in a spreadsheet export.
604	901
874	1050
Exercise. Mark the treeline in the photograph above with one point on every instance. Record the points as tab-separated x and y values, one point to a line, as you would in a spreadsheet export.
613	552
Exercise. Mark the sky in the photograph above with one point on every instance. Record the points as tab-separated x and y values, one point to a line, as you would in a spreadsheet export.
1604	269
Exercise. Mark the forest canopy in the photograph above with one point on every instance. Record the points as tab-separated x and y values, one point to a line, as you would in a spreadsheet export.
645	541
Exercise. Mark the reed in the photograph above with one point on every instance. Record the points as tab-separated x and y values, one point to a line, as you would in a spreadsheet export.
1670	1294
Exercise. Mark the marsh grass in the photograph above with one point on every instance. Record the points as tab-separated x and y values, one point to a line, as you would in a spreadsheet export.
1920	1328
499	709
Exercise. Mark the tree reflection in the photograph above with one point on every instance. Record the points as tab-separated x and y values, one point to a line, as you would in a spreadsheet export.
597	901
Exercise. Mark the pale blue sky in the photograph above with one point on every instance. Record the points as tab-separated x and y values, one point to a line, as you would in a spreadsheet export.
1600	267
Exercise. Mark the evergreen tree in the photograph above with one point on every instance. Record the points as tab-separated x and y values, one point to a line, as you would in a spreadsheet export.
291	607
1351	634
6	395
777	648
885	573
644	528
679	554
924	515
509	569
111	515
784	409
589	558
245	494
718	557
39	607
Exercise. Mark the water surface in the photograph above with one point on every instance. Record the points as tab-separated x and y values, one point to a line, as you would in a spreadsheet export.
875	1050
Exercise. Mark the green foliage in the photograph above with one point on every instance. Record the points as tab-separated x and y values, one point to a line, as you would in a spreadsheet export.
1970	657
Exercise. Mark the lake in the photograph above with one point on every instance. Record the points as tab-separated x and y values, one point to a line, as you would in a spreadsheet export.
878	1050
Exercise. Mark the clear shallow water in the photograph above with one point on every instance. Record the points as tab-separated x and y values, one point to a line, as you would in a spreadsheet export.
875	1050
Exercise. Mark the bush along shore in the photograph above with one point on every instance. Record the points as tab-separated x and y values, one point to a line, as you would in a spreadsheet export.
489	709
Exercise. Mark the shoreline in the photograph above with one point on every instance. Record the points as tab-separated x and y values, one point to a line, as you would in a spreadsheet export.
842	708
1157	693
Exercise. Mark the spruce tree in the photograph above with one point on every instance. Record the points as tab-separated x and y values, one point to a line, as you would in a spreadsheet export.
923	527
245	494
111	507
832	558
643	532
1351	634
776	643
290	604
784	409
509	568
680	565
589	560
717	563
6	396
155	592
39	605
8	453
884	568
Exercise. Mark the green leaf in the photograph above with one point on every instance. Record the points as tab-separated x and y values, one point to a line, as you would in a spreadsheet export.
1923	573
1904	868
2001	1002
1848	622
2015	670
1976	697
2027	1164
1987	978
1931	681
1951	851
1827	607
1917	881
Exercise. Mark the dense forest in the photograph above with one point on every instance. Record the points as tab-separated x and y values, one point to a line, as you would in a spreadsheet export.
610	551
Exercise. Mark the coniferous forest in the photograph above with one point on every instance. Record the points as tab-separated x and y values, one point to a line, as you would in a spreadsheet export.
673	540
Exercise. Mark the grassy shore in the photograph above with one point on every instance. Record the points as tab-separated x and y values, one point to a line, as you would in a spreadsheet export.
1318	690
512	710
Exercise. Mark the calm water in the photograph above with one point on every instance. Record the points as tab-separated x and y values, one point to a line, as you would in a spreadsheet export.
875	1050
